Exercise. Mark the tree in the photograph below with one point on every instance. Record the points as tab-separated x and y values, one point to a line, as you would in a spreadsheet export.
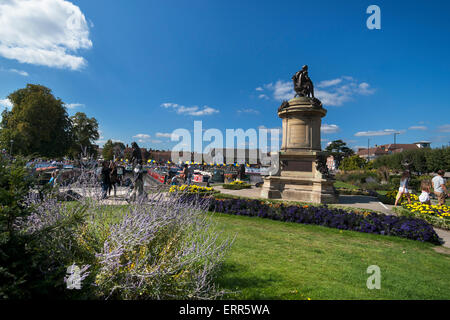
38	123
354	162
84	133
339	150
113	149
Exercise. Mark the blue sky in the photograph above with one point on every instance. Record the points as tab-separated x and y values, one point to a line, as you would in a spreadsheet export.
145	68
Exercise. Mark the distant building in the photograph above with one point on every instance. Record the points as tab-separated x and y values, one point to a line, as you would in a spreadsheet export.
371	153
423	144
331	164
377	151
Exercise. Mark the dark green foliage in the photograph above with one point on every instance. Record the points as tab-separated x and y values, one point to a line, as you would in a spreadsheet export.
14	185
422	160
84	133
339	150
111	149
33	264
37	123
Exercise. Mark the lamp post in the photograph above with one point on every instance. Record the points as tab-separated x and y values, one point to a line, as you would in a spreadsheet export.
11	150
395	137
368	149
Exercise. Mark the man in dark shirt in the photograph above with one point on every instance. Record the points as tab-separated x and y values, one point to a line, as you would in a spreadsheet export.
105	179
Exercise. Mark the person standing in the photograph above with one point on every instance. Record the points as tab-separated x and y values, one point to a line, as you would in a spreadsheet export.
404	182
439	187
138	185
114	178
184	173
105	179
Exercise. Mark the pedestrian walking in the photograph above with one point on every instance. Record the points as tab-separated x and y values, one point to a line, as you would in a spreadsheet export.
439	187
403	189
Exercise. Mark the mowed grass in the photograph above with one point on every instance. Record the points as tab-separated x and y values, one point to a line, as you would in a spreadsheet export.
279	260
341	184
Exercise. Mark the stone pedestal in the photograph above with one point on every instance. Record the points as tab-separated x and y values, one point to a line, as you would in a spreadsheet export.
299	178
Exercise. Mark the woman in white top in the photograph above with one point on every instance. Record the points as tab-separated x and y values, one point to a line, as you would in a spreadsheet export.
404	181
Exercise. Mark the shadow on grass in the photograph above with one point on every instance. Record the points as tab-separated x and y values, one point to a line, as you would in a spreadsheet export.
240	282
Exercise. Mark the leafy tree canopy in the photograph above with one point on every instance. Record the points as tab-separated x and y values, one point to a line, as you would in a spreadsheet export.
38	123
84	133
339	150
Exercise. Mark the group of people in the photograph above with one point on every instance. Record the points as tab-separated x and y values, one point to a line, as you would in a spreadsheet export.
109	178
185	175
437	184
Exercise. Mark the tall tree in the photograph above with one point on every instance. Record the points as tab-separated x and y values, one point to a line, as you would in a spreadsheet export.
84	133
339	150
113	149
38	123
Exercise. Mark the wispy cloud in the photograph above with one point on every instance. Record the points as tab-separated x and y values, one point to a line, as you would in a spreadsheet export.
384	132
333	92
192	111
74	105
167	135
423	128
19	72
248	111
444	128
329	128
45	32
142	136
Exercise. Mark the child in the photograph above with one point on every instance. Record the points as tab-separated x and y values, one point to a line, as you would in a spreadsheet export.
424	197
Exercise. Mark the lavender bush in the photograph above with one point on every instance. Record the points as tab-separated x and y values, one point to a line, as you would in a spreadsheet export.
164	248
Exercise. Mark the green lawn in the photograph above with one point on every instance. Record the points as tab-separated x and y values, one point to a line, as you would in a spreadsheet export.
341	184
278	260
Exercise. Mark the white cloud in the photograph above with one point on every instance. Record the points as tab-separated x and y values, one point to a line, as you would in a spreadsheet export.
192	111
337	92
423	128
444	128
329	128
142	136
259	89
167	135
6	103
19	72
74	105
43	32
384	132
249	110
263	96
328	83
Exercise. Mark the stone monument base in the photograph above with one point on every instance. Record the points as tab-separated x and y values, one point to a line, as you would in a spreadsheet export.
299	189
299	180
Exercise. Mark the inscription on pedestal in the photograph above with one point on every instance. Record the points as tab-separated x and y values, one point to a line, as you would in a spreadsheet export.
295	165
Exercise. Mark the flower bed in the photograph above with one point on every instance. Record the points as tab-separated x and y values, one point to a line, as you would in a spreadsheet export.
194	189
437	215
369	222
237	185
